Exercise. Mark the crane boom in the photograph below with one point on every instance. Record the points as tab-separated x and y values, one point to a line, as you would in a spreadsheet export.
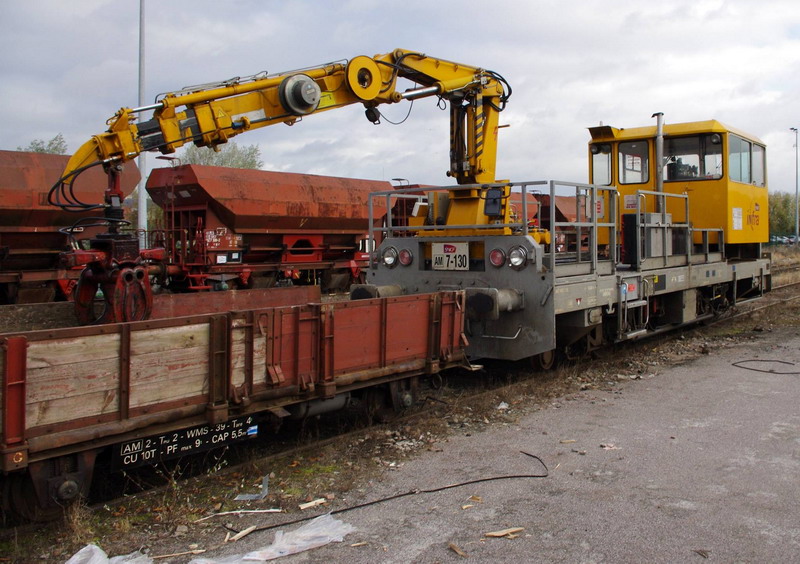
210	115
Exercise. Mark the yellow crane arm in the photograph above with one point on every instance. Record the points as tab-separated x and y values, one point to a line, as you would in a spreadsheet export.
210	115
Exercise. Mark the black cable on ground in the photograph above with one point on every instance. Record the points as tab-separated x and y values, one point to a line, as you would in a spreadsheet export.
416	492
740	364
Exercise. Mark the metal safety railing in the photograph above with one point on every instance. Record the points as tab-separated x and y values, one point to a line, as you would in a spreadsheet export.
575	222
671	231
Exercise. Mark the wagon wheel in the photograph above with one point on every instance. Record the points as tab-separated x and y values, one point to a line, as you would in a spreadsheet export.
383	403
436	381
403	393
545	361
20	498
377	405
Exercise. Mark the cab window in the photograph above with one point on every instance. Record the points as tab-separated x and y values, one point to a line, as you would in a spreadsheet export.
759	165
633	162
697	157
747	161
739	158
601	164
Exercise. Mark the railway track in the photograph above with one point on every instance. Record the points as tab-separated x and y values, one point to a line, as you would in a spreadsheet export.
785	269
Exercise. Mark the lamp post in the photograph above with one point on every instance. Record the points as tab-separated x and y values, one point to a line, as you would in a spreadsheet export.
796	190
141	205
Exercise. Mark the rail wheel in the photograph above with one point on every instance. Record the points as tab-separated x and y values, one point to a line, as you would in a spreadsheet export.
21	500
8	293
403	393
383	403
436	381
377	405
545	361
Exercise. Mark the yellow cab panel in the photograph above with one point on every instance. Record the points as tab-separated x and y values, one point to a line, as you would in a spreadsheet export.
721	169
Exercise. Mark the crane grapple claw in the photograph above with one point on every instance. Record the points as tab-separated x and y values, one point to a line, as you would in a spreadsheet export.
126	294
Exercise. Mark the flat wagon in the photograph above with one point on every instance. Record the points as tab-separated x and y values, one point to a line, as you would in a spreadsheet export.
164	388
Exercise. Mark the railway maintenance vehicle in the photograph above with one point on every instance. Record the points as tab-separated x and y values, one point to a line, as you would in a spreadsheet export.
669	232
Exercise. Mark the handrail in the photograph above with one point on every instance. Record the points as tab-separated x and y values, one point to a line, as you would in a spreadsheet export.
586	226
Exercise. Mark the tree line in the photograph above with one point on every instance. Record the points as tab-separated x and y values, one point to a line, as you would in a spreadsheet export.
781	213
229	154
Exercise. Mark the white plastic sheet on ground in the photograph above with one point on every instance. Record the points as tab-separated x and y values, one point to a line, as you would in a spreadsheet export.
93	554
318	532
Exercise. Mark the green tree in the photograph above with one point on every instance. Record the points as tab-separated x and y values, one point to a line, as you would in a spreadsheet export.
230	155
781	213
155	215
56	146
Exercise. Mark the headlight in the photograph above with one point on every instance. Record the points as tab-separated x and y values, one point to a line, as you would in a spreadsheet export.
497	257
405	257
517	257
390	257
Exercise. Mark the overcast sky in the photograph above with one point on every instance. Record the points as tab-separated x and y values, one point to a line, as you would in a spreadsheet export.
66	67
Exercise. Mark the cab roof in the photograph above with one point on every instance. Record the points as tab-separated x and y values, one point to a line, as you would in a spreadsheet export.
609	133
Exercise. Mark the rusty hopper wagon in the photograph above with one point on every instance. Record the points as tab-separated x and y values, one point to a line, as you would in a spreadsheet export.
31	230
240	228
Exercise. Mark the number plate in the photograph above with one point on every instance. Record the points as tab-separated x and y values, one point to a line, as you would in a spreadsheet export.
154	449
450	256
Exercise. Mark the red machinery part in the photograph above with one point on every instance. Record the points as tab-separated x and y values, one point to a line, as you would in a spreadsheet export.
116	267
127	295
